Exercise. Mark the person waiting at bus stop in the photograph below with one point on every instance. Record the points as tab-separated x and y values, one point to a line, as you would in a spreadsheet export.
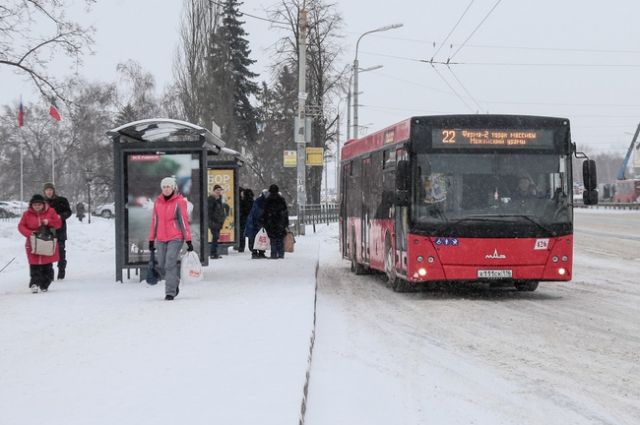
276	220
216	214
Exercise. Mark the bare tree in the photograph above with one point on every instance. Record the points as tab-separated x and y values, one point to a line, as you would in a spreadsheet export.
324	73
189	68
139	101
27	46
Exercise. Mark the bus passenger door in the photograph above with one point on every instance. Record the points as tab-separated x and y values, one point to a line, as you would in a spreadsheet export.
366	200
344	217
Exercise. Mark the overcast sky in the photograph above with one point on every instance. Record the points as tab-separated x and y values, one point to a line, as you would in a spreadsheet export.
576	59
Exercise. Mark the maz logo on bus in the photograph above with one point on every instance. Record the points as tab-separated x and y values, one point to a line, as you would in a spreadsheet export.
495	256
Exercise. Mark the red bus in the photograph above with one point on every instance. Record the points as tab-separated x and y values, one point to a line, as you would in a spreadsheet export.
465	198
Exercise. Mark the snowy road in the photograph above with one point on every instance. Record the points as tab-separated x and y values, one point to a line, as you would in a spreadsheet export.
568	353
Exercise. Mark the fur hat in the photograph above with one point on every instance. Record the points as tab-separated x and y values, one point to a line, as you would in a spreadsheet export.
169	181
36	199
274	188
48	185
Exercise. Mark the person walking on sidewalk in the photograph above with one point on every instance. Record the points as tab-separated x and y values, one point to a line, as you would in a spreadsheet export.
40	266
216	216
276	220
61	205
169	229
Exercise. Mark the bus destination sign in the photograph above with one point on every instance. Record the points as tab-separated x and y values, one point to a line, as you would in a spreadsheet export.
492	138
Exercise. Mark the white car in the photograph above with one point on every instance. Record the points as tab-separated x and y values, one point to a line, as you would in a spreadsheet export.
105	210
12	208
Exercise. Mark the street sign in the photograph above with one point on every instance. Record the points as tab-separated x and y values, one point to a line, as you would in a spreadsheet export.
289	159
315	157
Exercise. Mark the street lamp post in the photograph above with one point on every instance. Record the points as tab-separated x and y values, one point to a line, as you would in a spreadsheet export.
371	68
355	75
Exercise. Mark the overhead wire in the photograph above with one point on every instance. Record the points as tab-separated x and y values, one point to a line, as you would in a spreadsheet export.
476	29
452	29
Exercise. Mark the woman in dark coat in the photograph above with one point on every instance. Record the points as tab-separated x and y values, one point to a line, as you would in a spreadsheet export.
254	224
39	214
276	220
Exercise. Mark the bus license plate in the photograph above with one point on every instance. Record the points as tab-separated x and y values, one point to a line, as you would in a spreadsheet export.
494	274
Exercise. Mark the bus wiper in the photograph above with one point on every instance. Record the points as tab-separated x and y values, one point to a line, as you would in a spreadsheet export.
480	218
534	221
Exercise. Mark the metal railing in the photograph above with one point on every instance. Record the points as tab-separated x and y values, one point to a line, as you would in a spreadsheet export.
319	213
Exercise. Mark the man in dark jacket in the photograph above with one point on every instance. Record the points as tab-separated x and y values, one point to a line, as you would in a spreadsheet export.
61	205
276	220
216	216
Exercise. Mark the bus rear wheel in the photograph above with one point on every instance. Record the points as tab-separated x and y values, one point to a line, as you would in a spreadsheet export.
527	286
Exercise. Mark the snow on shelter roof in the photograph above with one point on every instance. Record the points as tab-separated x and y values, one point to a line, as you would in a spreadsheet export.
165	130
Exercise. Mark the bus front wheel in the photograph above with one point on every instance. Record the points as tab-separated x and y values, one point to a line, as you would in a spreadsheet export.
526	286
396	283
356	267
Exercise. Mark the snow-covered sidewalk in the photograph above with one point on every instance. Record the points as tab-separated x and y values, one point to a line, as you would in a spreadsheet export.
231	349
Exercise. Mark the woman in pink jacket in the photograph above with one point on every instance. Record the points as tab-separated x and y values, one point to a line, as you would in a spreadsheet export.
168	231
39	214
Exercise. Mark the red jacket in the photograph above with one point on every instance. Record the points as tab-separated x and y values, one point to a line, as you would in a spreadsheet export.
30	222
170	220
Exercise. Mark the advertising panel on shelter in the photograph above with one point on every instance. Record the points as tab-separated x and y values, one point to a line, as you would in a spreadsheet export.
143	173
225	178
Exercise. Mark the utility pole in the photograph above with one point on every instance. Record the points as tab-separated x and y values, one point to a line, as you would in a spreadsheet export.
299	125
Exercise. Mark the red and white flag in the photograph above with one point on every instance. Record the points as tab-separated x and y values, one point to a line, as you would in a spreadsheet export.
20	114
53	110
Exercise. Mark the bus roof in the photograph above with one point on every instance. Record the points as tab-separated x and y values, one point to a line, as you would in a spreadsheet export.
401	131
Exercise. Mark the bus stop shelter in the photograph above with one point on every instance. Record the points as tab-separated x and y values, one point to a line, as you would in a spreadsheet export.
144	152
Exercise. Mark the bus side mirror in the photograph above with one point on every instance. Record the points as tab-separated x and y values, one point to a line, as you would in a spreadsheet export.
403	177
589	175
590	197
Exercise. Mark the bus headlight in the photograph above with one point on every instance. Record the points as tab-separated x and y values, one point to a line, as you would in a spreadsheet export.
430	260
554	259
562	271
565	258
422	272
420	259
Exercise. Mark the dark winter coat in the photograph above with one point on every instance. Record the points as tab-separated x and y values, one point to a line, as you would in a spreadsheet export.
31	222
216	213
276	216
80	209
245	207
61	205
254	219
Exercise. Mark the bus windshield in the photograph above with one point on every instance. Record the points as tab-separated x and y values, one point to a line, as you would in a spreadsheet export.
526	193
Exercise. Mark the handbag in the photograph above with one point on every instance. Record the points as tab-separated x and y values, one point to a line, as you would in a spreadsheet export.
261	242
191	267
43	242
152	271
289	242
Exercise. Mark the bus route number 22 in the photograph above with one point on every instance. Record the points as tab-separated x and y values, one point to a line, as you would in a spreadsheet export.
448	137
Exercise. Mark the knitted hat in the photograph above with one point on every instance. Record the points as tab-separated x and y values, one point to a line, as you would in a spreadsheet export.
36	199
168	181
48	185
274	188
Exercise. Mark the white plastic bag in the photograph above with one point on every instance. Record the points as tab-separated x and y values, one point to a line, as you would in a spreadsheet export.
262	242
191	268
